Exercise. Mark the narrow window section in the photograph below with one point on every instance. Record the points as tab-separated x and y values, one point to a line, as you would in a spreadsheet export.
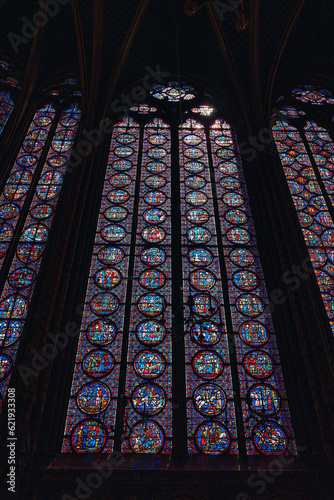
6	107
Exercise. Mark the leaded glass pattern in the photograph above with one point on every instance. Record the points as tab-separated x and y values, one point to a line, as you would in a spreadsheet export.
312	211
22	174
313	95
19	286
93	401
7	104
173	92
267	423
209	389
147	419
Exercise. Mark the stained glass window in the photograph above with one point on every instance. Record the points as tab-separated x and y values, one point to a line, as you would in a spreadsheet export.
19	286
6	107
173	92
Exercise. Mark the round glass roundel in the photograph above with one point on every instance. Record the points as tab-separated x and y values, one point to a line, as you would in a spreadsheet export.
98	363
113	233
110	255
149	364
153	234
116	214
9	210
22	277
253	333
238	235
41	211
151	304
120	180
259	364
155	198
35	232
207	364
230	183
204	305
157	139
125	138
227	168
233	200
5	366
193	153
101	332
201	279
263	399
195	182
245	280
146	437
107	277
93	398
242	257
88	436
212	438
123	151
153	256
57	161
13	306
150	332
154	216
10	331
250	305
148	399
6	232
196	198
192	140
122	165
269	438
197	216
27	161
209	399
236	216
194	167
205	333
224	140
198	235
200	256
29	252
155	181
118	196
152	279
157	153
156	167
104	303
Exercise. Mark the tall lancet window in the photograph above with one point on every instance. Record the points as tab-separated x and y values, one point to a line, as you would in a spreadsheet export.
303	137
177	351
9	87
27	212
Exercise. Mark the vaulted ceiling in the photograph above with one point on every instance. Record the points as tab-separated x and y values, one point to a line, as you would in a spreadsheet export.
109	44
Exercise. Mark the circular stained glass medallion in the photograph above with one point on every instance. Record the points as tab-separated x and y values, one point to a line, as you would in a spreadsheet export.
149	364
88	436
212	438
147	437
263	399
155	181
233	200
153	256
113	233
200	256
155	198
104	303
157	139
9	210
101	332
27	161
156	167
148	399
118	196
204	305
250	305
197	216
123	151
29	252
93	398
150	332
6	232
13	306
209	399
152	279
192	140
242	257
22	277
228	168
10	332
259	364
125	138
236	216
157	153
193	153
120	180
57	161
107	277
5	366
224	140
328	237
116	214
195	182
122	165
230	183
153	234
245	280
110	255
151	304
154	216
207	364
253	333
198	235
194	167
205	333
238	235
42	211
196	198
98	363
324	218
269	438
201	279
